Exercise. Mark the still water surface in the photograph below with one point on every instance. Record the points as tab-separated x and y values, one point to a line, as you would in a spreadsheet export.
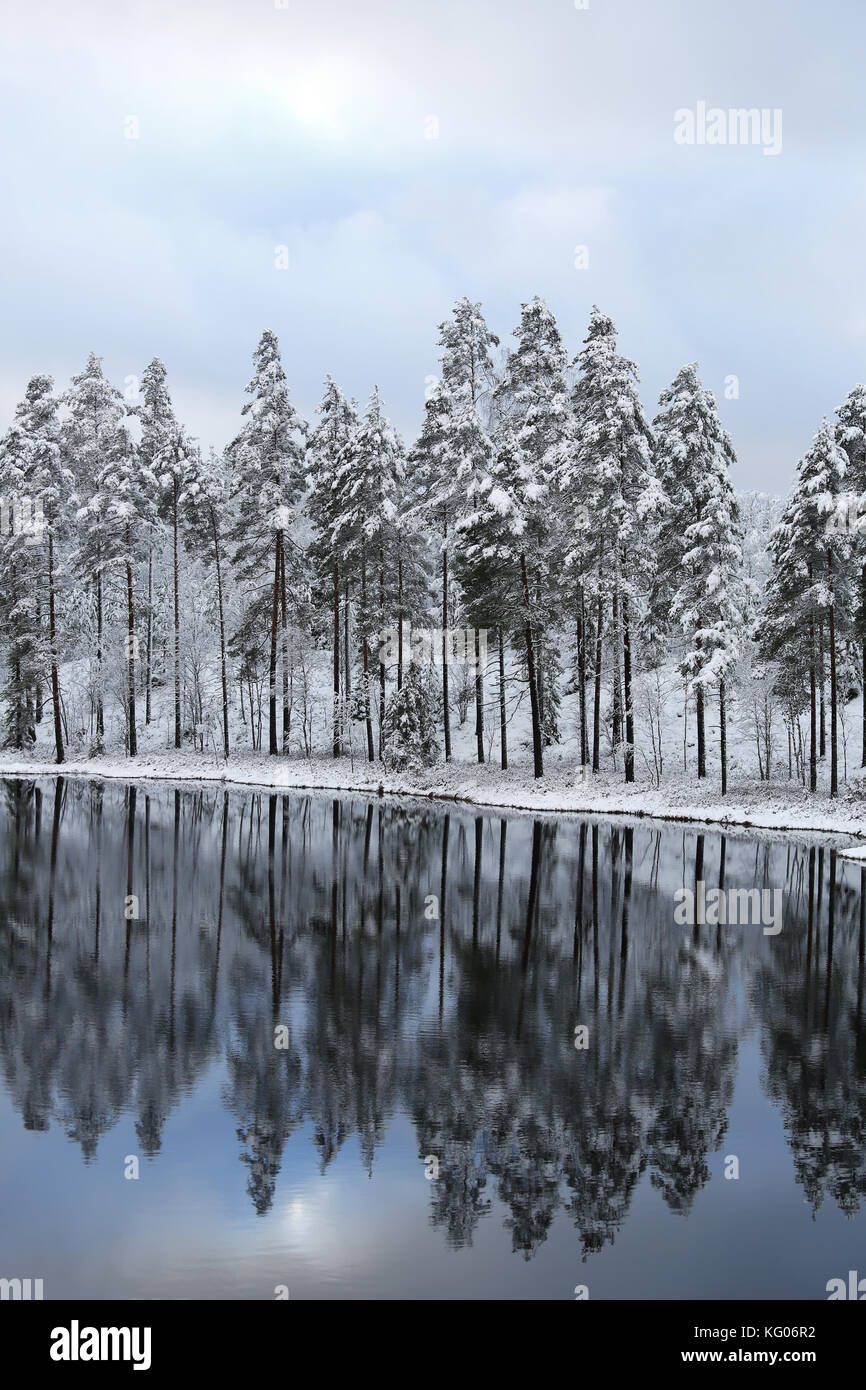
339	1038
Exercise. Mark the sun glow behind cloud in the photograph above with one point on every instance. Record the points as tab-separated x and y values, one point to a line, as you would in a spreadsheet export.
317	97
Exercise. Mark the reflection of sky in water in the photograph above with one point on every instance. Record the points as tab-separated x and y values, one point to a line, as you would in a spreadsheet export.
484	1075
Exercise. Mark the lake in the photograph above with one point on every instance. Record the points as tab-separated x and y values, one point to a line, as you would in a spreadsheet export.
358	1048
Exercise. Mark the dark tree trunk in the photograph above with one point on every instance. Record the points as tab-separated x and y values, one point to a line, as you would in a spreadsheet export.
371	757
273	748
337	749
130	653
581	678
176	622
148	674
863	670
400	623
52	635
629	711
723	736
347	665
596	721
702	737
617	691
537	753
381	652
38	698
219	579
284	616
503	741
834	732
479	700
100	712
822	678
446	715
813	731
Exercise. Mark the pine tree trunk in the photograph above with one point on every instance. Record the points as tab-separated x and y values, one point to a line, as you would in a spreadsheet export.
834	731
347	665
503	740
617	688
130	654
822	747
52	635
446	715
479	700
177	739
272	669
723	737
537	754
148	675
596	723
581	677
38	698
284	617
337	749
219	579
863	670
813	732
400	623
702	738
371	757
629	711
100	712
381	651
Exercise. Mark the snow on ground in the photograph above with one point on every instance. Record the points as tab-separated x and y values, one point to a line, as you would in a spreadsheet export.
781	804
748	804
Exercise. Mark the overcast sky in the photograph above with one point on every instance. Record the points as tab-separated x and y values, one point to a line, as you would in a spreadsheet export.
310	127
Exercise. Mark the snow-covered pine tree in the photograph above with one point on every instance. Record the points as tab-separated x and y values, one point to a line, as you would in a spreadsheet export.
436	482
19	618
784	643
409	726
204	515
368	483
468	372
432	472
697	544
614	465
851	435
117	522
499	536
165	450
93	437
492	599
338	423
534	418
809	583
267	459
709	599
50	485
473	451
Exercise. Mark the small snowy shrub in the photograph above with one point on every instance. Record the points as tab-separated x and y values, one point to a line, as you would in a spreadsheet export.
409	726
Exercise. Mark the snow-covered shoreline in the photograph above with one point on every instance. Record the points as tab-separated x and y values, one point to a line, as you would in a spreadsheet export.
749	807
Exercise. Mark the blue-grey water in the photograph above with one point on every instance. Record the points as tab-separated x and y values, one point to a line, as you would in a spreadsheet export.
336	1041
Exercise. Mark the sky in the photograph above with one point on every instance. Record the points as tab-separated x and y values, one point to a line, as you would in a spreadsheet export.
180	176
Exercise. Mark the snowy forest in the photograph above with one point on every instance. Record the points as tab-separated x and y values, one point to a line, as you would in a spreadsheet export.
544	567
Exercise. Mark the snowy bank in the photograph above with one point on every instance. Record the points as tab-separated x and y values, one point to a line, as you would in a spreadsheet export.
749	805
